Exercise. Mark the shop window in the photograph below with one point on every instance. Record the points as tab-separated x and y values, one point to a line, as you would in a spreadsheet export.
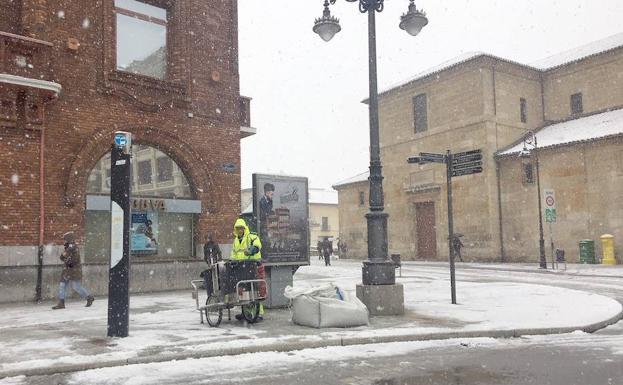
165	169
523	110
141	38
576	104
362	198
144	172
420	113
325	224
156	232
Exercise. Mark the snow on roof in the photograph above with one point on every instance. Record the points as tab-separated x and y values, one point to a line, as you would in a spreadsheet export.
363	177
548	63
322	196
467	56
581	52
577	130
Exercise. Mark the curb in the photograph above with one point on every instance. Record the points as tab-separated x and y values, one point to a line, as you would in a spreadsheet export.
301	345
518	270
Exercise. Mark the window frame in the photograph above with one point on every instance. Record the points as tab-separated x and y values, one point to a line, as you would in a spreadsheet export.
523	110
575	98
420	116
527	173
324	224
362	198
163	4
140	175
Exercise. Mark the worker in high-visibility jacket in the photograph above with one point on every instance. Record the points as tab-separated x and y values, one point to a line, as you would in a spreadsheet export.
248	246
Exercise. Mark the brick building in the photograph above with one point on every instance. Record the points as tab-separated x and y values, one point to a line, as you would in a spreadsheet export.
72	73
482	102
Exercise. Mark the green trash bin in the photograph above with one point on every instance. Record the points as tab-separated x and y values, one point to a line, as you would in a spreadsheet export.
587	251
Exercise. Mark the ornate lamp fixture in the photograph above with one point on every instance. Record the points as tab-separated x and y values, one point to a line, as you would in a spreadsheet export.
327	26
413	21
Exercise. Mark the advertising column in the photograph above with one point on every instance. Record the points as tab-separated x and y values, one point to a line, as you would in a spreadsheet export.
280	206
119	274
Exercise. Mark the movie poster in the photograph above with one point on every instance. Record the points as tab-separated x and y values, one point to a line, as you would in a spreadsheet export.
280	207
144	233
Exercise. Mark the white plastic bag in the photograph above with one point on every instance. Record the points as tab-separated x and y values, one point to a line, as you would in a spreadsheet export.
326	306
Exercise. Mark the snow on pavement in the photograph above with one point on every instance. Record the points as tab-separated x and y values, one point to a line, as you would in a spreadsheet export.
33	336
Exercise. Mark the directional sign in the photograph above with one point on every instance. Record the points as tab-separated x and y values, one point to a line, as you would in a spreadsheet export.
466	163
430	157
467	171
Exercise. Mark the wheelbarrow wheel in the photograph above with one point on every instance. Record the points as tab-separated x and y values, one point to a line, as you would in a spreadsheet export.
251	312
214	314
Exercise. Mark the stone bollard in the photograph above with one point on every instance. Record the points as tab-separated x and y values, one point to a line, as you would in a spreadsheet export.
607	245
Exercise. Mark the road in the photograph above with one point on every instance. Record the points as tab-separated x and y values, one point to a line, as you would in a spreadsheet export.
577	358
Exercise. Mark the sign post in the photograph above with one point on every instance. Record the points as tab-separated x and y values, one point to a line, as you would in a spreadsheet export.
120	216
459	164
550	217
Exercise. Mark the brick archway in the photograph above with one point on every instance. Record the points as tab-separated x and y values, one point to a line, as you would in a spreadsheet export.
190	161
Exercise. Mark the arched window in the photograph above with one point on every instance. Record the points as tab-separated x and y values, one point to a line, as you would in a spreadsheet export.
163	208
154	174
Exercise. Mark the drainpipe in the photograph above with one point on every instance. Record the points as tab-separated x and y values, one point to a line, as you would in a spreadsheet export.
41	214
500	219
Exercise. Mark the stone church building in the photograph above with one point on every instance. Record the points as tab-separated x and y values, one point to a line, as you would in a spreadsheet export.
572	101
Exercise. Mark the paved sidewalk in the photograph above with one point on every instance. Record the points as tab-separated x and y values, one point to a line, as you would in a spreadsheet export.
165	326
572	269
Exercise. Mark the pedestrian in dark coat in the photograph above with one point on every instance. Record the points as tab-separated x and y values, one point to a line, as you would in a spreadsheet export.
327	250
211	251
457	245
72	272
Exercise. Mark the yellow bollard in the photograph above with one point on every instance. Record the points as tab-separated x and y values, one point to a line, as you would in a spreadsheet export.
607	245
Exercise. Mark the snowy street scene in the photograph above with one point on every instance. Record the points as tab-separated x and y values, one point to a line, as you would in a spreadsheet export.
499	310
317	192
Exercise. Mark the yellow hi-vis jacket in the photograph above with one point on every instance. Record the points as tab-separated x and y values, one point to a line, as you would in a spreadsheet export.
248	243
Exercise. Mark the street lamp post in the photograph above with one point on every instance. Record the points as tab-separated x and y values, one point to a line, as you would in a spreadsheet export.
531	139
378	269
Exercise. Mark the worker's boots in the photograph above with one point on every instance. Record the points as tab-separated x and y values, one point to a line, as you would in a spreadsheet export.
90	300
59	305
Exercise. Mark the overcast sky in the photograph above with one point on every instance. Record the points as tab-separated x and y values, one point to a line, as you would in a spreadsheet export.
307	93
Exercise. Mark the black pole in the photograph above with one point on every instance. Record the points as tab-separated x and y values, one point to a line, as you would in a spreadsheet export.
450	226
119	274
542	261
377	270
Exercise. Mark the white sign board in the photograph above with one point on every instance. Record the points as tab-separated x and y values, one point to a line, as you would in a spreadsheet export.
116	234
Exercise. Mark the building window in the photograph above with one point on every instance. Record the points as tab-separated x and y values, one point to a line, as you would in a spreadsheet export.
325	224
165	169
362	198
420	116
576	104
523	110
528	174
144	172
141	38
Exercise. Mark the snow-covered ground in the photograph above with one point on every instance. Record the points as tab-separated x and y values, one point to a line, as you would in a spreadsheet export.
166	324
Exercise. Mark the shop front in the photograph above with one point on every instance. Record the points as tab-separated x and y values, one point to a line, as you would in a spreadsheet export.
164	212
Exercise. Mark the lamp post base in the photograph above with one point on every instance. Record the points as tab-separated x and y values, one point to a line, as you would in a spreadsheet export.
382	300
378	273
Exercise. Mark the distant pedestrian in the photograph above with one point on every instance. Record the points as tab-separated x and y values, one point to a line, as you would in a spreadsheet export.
72	272
457	245
327	250
211	251
319	249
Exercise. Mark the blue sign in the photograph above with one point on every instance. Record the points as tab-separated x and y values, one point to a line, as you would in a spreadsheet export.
121	140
